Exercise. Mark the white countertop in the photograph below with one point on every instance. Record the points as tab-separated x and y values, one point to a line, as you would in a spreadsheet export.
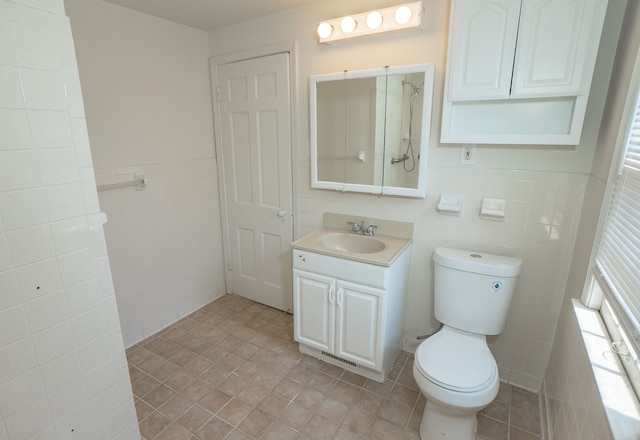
313	242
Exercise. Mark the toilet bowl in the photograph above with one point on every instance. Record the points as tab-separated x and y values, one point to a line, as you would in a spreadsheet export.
454	368
457	374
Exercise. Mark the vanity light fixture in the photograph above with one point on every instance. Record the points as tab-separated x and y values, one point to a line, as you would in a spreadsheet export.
374	20
324	30
348	24
400	18
402	15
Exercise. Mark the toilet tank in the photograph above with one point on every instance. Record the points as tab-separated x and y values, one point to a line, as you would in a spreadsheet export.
473	290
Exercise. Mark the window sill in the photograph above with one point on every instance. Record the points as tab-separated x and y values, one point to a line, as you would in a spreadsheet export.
618	399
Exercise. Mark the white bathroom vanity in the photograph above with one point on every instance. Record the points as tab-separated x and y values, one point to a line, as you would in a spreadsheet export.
349	294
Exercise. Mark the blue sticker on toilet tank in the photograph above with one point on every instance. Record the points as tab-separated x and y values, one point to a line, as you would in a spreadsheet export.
496	286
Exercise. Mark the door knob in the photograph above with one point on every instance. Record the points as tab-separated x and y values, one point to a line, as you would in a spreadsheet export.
282	213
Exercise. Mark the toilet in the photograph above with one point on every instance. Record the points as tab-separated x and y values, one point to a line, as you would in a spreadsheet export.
454	368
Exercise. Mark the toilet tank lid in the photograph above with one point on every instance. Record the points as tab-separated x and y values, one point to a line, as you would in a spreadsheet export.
477	262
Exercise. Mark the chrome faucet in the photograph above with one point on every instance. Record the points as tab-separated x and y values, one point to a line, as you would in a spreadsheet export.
357	228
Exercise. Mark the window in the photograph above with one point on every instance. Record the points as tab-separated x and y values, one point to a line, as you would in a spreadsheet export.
614	285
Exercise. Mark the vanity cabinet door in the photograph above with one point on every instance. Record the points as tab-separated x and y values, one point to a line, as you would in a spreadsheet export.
360	314
314	314
557	44
482	42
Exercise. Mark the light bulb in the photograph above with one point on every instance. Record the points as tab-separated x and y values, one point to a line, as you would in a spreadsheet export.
403	15
374	20
348	25
325	30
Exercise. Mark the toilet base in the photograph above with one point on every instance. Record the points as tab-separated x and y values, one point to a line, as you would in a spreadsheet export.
439	424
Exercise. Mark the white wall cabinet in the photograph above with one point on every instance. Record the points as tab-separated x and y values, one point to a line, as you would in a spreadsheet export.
349	313
482	47
557	46
519	71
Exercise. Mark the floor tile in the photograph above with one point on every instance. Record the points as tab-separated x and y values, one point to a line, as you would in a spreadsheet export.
273	404
256	423
174	432
214	400
358	421
175	407
193	419
525	420
296	415
214	428
234	412
333	410
492	429
320	428
383	430
232	371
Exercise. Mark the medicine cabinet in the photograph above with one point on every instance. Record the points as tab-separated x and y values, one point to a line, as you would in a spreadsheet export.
370	130
519	71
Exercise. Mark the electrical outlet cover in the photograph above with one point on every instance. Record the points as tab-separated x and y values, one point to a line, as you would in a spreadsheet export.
468	154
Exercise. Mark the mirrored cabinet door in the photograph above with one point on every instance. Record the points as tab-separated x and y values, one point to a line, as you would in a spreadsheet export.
370	130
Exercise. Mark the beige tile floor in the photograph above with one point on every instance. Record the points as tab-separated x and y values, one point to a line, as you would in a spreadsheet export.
232	371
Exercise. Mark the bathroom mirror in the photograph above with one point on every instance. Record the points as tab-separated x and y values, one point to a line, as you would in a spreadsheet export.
370	130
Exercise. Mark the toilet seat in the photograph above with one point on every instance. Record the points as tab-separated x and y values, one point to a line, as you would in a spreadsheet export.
457	361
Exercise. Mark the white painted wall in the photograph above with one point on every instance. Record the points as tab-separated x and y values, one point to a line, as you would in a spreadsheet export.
544	186
63	370
148	103
146	85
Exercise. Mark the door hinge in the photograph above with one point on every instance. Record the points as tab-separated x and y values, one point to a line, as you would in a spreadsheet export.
218	94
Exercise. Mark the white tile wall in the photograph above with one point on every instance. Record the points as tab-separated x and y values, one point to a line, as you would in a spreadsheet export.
575	407
62	367
164	243
542	216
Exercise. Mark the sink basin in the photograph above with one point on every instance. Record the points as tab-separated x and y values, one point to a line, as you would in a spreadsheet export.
357	244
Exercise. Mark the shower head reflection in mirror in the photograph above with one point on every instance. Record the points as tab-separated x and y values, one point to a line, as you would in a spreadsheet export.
409	154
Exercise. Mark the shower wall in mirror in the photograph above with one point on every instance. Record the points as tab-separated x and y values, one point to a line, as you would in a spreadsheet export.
370	130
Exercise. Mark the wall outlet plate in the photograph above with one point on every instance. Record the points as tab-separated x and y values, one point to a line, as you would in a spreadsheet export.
468	154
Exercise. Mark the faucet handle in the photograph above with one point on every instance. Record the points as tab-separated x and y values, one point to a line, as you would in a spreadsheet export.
355	227
369	231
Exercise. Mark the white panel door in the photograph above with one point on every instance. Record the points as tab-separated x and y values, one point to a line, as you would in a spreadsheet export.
255	115
314	298
482	43
553	46
359	334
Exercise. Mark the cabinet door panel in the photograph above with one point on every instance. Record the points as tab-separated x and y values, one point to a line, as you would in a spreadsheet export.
554	45
360	326
313	309
482	43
